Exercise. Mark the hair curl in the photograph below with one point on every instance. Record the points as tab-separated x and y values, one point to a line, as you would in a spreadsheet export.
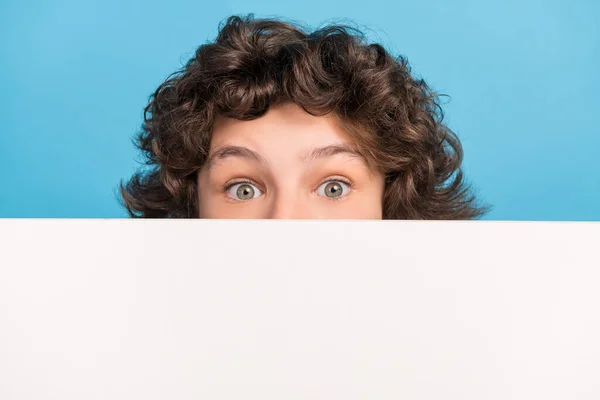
255	64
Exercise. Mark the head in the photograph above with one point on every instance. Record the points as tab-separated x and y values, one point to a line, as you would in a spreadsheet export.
271	121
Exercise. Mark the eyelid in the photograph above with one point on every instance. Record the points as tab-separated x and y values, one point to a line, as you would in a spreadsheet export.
237	181
336	178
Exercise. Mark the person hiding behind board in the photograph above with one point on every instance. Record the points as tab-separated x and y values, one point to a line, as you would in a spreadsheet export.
272	121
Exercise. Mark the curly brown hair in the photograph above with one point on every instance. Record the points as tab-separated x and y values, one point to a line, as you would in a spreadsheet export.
255	64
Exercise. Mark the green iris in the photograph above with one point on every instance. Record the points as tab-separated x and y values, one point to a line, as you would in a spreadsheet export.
245	192
333	189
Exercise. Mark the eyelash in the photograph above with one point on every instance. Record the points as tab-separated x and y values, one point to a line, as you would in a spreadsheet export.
229	184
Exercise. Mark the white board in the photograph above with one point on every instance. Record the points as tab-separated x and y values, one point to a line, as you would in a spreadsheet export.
139	309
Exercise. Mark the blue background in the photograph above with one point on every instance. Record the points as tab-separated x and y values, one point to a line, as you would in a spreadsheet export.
523	76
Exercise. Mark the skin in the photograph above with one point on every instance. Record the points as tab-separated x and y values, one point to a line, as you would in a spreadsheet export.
287	164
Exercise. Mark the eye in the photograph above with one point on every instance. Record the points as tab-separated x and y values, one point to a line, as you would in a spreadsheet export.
243	191
333	189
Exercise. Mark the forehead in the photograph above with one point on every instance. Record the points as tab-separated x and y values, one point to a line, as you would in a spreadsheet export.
287	128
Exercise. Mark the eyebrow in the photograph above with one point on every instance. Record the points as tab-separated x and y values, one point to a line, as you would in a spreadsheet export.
233	151
329	151
314	154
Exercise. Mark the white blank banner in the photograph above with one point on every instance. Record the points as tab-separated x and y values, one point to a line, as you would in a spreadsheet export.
232	310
